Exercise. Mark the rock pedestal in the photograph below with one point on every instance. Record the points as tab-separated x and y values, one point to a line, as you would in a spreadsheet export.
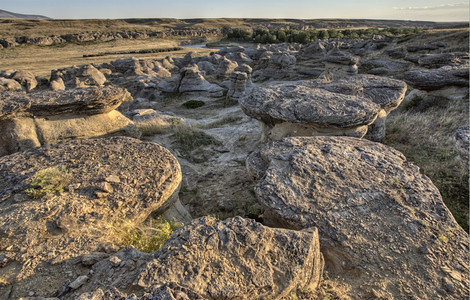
31	120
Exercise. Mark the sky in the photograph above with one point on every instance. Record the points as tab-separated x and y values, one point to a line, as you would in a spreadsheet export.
421	10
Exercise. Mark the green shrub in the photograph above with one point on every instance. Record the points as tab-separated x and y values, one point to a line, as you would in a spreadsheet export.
48	181
151	236
192	104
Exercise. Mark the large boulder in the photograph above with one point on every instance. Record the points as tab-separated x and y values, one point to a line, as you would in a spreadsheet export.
34	119
435	79
340	64
233	259
192	82
386	92
383	226
92	188
434	61
296	109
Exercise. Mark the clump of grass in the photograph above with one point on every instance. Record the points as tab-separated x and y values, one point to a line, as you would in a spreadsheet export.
158	126
49	181
187	139
151	236
426	139
221	122
193	104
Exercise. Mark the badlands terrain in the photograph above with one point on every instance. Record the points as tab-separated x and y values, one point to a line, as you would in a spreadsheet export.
178	159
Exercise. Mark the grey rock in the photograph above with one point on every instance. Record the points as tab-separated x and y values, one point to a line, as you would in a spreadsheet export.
235	258
434	61
374	211
193	82
434	79
225	67
238	83
9	85
26	79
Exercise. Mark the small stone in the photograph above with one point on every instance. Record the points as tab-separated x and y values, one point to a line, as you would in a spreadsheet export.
115	260
106	187
101	194
78	282
113	179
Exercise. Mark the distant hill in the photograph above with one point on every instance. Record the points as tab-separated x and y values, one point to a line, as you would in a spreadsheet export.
11	15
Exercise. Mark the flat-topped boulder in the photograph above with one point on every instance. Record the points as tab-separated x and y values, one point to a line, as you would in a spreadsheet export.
386	92
65	200
434	79
46	117
233	259
293	109
383	226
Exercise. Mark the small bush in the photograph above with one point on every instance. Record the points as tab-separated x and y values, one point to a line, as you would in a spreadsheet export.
192	104
151	236
190	143
48	181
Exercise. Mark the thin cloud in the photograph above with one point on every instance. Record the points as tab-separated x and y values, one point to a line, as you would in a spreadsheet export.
436	7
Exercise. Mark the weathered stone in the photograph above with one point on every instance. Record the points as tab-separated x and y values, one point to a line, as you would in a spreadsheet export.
340	64
374	211
435	79
47	117
235	258
238	81
152	179
292	109
225	67
194	83
141	67
26	79
9	85
439	60
57	84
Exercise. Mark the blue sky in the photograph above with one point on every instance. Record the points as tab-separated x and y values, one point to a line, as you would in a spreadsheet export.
430	10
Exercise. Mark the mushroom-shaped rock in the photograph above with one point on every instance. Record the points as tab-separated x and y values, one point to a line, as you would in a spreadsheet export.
66	199
434	79
236	258
294	109
225	67
47	117
462	143
383	226
194	83
386	92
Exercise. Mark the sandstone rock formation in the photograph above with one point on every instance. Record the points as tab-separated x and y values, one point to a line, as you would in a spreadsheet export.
308	108
104	186
340	64
83	76
434	79
386	92
238	84
233	259
191	82
383	226
31	120
141	66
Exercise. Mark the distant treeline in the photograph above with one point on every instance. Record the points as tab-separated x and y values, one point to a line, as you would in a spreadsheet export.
144	51
307	36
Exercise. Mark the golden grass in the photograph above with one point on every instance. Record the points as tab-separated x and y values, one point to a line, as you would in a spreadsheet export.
426	139
42	59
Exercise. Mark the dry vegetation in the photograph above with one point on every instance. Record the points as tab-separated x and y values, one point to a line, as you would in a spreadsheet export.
425	137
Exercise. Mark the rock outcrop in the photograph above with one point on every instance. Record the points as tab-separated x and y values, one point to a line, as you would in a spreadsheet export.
34	119
82	76
383	226
233	259
340	64
314	107
434	79
104	184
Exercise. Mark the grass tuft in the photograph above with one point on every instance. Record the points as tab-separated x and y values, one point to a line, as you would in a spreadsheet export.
151	236
188	141
193	104
48	181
